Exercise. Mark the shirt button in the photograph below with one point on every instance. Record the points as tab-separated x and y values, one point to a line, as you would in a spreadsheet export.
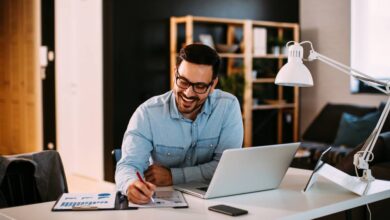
169	154
211	145
193	143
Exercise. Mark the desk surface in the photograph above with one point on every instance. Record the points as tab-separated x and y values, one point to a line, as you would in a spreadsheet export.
286	202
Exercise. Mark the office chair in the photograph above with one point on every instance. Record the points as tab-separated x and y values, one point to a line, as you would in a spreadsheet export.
31	178
19	186
116	156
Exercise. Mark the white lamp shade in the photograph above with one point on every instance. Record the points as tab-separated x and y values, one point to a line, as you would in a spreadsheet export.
294	73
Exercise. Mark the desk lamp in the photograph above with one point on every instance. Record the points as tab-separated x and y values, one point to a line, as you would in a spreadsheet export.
295	73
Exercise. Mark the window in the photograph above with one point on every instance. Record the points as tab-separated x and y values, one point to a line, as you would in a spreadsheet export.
370	41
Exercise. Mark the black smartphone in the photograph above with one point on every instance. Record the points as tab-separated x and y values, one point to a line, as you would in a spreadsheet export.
228	210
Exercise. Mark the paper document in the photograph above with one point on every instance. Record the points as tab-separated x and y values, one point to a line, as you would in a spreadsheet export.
164	199
352	183
71	201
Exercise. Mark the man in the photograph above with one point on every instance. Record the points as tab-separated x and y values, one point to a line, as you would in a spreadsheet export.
183	131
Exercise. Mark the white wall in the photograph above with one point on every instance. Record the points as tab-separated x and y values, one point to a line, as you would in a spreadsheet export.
327	24
79	86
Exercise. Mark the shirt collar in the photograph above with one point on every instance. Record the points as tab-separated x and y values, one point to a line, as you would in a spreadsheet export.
172	106
206	108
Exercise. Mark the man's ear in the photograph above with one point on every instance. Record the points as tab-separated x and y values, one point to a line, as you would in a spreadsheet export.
215	82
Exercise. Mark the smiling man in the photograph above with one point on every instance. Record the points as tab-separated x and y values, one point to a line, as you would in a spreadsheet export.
179	136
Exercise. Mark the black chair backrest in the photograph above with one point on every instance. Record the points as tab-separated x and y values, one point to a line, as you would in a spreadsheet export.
19	186
116	156
31	178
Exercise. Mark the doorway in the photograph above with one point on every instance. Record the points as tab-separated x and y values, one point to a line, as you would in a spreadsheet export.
48	74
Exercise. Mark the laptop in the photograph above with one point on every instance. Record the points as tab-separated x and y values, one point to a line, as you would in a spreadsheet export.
245	170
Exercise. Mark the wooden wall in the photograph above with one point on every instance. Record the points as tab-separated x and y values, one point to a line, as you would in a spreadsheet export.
20	117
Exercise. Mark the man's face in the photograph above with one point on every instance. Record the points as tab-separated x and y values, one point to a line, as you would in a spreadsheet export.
187	100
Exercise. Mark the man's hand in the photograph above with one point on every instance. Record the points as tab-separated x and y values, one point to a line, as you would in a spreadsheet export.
158	175
140	193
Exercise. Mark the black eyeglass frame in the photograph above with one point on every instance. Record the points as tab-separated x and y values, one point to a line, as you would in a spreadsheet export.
192	84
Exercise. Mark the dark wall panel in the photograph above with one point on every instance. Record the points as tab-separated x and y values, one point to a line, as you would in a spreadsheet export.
139	43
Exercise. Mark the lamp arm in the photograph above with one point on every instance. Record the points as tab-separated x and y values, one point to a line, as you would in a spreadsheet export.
370	142
352	72
364	156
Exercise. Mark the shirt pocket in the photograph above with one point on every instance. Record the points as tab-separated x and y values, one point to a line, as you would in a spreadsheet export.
205	149
169	156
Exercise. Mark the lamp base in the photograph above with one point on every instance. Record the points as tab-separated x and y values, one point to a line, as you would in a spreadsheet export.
367	176
357	185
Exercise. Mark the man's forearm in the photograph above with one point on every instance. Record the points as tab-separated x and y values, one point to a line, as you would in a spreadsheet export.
200	173
124	176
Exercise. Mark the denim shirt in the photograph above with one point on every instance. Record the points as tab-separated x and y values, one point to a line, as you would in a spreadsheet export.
158	133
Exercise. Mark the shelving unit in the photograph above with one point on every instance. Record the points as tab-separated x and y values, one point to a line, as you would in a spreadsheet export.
246	55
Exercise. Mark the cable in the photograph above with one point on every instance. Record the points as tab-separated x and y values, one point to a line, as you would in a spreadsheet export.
368	207
369	212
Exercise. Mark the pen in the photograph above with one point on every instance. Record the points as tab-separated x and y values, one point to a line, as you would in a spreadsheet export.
143	181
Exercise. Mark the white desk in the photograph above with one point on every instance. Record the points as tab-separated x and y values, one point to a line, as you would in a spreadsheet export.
286	202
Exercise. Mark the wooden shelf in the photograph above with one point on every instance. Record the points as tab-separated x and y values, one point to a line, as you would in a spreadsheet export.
273	106
231	55
235	21
264	80
248	58
275	24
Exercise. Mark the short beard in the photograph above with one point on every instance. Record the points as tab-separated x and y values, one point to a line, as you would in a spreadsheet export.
195	98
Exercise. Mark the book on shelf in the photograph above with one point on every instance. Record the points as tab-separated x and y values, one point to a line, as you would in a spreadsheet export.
259	41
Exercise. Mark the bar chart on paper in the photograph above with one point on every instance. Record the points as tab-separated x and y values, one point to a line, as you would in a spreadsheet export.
69	201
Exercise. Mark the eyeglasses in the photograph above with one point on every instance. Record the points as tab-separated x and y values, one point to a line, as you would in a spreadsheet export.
198	87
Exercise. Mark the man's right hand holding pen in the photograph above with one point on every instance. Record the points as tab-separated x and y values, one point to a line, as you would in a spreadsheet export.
140	191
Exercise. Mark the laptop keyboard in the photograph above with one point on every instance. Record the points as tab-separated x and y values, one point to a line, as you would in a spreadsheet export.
203	188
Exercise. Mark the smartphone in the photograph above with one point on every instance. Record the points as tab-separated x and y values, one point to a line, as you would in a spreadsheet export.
228	210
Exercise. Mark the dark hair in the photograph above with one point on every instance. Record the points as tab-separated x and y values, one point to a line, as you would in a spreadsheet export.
200	54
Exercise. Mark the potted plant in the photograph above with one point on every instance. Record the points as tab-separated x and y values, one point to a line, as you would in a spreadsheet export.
278	46
234	84
282	46
275	46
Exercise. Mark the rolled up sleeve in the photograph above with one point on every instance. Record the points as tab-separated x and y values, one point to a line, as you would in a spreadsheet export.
136	150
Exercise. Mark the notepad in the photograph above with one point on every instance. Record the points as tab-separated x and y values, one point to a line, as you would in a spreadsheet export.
164	199
80	201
